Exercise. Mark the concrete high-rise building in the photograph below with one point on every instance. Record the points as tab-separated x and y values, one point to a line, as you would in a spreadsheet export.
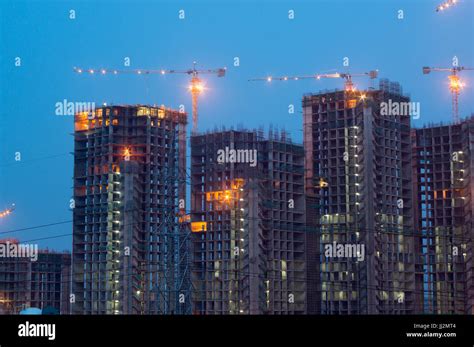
41	282
360	244
129	193
443	160
247	212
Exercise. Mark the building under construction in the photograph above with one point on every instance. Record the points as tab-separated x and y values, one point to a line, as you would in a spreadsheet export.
247	204
360	244
43	282
443	158
129	247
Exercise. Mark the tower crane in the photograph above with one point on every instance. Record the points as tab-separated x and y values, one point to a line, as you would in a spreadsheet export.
349	87
455	85
348	84
196	87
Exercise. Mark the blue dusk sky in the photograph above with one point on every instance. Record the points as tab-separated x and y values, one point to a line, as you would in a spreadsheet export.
213	33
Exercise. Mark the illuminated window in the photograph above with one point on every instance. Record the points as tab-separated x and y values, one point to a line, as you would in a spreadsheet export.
283	270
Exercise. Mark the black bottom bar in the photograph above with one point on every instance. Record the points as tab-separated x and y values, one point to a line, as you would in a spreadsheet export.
214	330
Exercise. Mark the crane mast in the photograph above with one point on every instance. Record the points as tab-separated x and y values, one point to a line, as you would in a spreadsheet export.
455	85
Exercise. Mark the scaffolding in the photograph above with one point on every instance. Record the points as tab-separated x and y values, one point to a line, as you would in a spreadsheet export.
129	184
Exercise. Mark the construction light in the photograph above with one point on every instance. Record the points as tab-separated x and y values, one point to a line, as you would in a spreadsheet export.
455	83
196	87
7	211
127	154
269	78
227	196
445	5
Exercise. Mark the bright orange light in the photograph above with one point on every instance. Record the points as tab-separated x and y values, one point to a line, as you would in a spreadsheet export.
127	154
323	183
197	227
196	87
363	97
350	88
455	83
226	196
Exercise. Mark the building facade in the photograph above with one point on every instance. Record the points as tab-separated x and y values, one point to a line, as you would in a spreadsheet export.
443	160
247	213
129	193
360	240
42	282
